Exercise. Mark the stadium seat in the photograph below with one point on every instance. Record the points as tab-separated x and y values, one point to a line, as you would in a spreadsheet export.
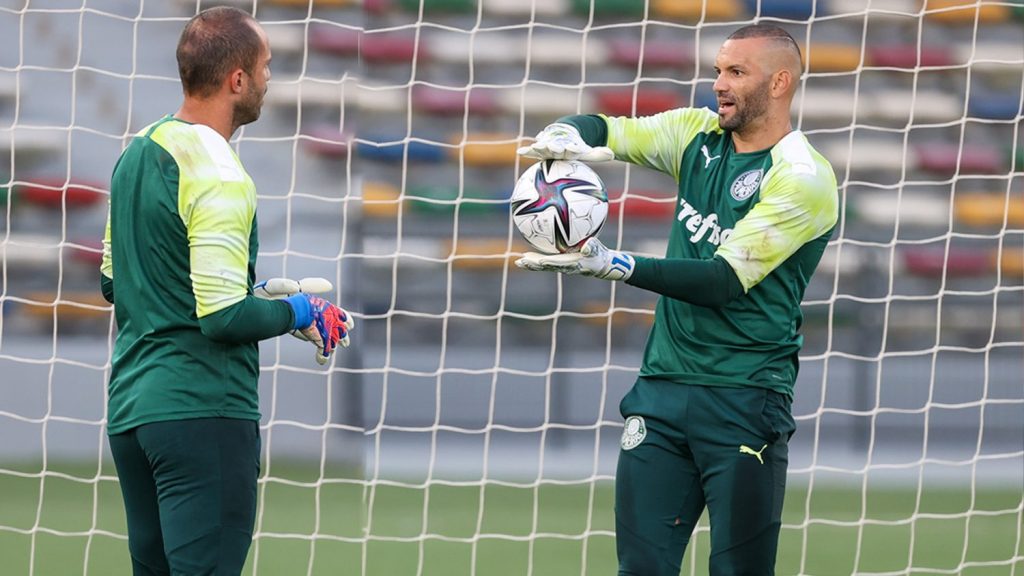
641	205
651	54
995	57
542	50
486	149
945	158
691	11
307	91
388	150
908	56
934	262
434	6
57	193
391	48
866	154
380	200
480	253
544	101
597	313
29	250
69	306
443	200
329	39
947	11
825	57
628	9
286	38
994	106
327	141
1011	263
989	209
903	105
453	101
520	8
88	251
885	209
788	9
32	142
318	3
620	101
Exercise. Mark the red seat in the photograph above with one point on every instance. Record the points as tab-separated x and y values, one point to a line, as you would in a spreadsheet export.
972	159
933	261
57	192
619	101
390	48
444	101
654	53
908	56
327	141
334	40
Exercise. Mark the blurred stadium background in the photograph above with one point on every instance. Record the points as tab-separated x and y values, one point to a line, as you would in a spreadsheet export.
473	426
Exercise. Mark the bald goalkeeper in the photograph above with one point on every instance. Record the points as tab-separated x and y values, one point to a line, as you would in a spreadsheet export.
708	421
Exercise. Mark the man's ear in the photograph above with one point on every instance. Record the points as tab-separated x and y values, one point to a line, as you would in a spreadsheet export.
782	81
235	80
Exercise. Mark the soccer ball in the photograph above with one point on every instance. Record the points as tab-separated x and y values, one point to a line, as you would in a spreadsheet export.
558	205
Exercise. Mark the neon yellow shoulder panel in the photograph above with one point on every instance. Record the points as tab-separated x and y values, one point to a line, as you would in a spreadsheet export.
217	204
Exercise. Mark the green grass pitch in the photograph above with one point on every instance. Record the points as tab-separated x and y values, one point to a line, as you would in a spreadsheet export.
823	535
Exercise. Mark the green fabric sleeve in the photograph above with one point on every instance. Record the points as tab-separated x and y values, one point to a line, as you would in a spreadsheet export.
107	287
593	129
711	283
249	320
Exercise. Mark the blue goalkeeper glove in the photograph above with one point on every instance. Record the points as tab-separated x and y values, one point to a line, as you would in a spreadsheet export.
593	259
320	322
563	142
284	288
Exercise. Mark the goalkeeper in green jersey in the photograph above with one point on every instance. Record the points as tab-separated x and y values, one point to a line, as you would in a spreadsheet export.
179	256
708	421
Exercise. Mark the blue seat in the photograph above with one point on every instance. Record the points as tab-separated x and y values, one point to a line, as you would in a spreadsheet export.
789	9
419	151
994	106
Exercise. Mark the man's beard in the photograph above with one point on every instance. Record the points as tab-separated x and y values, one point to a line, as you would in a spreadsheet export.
751	108
248	110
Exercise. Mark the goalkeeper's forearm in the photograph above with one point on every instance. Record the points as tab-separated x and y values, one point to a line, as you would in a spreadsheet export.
249	320
710	283
592	128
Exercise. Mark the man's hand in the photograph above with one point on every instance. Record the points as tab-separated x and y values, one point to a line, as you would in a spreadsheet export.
338	323
593	259
329	328
563	142
277	288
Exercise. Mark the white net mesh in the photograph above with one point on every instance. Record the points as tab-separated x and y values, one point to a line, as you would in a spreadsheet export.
473	426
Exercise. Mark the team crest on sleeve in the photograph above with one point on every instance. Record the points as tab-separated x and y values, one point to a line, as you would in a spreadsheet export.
634	432
746	184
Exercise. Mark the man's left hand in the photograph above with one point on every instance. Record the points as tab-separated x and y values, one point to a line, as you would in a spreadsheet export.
593	259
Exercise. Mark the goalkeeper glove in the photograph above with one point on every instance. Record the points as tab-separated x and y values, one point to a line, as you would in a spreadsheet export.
563	142
593	259
320	322
278	288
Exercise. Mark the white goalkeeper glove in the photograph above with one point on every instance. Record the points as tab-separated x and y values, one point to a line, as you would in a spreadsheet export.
563	142
280	288
593	259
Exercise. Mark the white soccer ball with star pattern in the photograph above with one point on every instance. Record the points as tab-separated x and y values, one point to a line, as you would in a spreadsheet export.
557	205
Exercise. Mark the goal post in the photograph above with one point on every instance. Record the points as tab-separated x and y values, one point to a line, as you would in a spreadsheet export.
473	426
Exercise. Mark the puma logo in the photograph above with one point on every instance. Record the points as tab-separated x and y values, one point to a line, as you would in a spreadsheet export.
744	449
707	156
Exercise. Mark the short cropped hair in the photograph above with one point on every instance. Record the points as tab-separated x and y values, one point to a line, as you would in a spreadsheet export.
767	31
213	44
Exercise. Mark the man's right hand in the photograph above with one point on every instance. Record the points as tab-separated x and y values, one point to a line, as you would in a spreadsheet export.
563	142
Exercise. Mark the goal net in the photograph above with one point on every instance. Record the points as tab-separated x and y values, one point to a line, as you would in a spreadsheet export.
473	426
